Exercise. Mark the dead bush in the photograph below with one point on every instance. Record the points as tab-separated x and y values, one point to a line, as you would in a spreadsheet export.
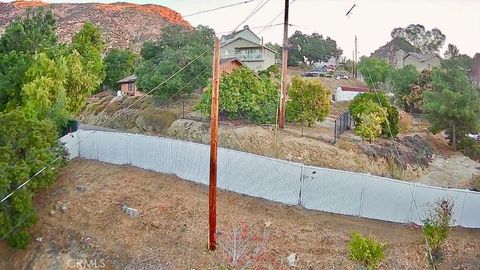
405	122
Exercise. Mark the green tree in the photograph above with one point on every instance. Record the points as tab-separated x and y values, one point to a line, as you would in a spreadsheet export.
13	66
41	84
277	48
309	101
176	48
34	32
43	91
311	49
426	41
414	100
402	81
119	64
454	59
88	42
244	95
453	105
26	146
375	71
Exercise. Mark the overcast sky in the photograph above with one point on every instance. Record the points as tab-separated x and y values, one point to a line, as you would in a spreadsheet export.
371	20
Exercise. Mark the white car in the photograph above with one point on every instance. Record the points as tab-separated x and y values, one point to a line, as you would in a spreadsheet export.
342	77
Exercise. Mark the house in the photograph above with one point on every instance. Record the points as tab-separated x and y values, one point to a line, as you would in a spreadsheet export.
128	86
346	93
248	48
418	60
227	65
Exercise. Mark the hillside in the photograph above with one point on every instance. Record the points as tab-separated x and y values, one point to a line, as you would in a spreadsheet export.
388	50
124	25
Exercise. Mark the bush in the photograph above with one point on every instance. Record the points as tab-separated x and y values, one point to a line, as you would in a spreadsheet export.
244	95
436	227
362	104
371	121
405	122
366	250
26	145
470	148
309	101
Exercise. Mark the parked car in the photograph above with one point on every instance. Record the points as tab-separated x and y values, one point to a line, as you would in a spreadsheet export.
315	73
342	77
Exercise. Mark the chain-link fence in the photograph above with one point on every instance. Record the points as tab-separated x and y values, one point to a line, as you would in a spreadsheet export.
282	181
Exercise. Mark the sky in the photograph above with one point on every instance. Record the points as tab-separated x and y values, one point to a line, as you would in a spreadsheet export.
371	20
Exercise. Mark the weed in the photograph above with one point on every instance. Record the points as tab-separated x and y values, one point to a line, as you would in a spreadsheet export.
436	227
366	250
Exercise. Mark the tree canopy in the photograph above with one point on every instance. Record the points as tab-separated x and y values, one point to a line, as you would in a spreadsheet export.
34	32
309	101
119	64
426	41
453	105
244	95
177	47
26	146
42	84
374	70
311	49
385	115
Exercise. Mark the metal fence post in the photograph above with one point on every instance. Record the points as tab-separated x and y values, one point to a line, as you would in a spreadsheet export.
302	179
463	206
361	196
412	204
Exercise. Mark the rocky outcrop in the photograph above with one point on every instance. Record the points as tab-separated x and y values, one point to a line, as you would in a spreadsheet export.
123	25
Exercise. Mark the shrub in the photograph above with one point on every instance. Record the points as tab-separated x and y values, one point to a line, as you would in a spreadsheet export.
436	227
371	123
362	104
366	250
244	95
309	101
26	145
405	122
470	148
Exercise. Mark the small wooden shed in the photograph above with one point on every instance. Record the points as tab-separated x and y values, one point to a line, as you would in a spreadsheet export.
228	65
128	86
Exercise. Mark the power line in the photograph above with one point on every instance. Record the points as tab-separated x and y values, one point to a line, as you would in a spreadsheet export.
271	21
251	15
218	8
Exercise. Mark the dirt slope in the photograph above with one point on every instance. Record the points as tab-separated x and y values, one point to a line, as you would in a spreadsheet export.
171	230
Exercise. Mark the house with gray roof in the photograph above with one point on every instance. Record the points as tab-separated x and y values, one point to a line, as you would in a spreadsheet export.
418	60
248	48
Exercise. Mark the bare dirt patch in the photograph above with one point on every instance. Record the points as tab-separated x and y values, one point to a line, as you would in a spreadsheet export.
171	231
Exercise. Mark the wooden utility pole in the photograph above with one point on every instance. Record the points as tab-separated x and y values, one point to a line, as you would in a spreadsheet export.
353	64
283	89
356	58
212	191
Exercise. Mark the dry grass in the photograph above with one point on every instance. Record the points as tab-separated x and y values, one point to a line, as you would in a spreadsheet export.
405	122
171	232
